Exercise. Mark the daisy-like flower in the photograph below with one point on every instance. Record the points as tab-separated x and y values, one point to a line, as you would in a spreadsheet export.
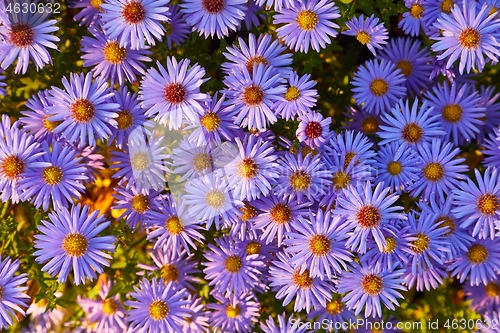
141	164
460	109
378	86
111	61
290	283
410	126
135	203
208	198
319	244
368	286
480	262
158	307
413	60
176	30
368	32
191	160
429	242
354	145
278	216
134	21
27	35
198	321
230	269
178	268
214	17
468	35
302	177
308	23
335	313
368	212
254	95
234	313
251	172
396	166
90	15
69	241
19	152
278	5
83	109
58	183
12	296
262	50
291	325
172	226
413	19
299	97
35	120
42	318
362	121
478	206
172	94
484	297
436	8
440	171
104	314
313	129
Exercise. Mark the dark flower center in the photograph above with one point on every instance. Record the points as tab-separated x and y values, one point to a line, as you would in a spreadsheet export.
124	120
52	175
169	272
372	284
447	221
313	129
175	93
447	5
158	310
213	6
21	35
233	264
477	254
253	248
75	244
97	4
307	19
173	225
452	113
12	166
492	289
82	110
390	245
406	67
133	12
368	216
412	133
341	179
369	125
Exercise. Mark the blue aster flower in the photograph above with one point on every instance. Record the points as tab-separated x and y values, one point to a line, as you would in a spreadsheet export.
318	244
35	120
214	17
69	241
253	15
369	286
362	121
290	283
484	297
461	113
229	269
412	20
430	245
436	8
135	203
262	50
192	159
368	212
172	94
252	171
410	126
355	146
110	61
335	314
198	321
27	35
313	129
278	5
83	109
209	198
278	216
177	30
234	313
90	15
468	35
308	23
440	171
427	278
478	206
58	183
302	177
171	226
378	86
158	307
413	60
291	325
397	167
368	32
480	262
299	97
12	293
254	95
134	21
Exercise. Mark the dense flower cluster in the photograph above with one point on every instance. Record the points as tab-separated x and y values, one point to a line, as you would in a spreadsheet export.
335	221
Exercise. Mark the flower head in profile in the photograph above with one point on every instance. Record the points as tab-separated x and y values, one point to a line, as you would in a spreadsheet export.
368	32
69	241
308	23
26	35
12	296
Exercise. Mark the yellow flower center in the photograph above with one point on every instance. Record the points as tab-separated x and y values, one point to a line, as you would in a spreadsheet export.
169	272
82	110
21	35
12	166
368	216
363	37
492	289
300	180
447	221
124	120
158	310
96	4
292	94
233	311
307	19
406	67
447	5
341	179
202	161
215	199
487	204
280	214
253	248
372	284
247	168
75	245
390	245
173	225
469	38
258	59
421	244
249	212
253	95
140	161
140	203
113	53
394	168
50	125
379	87
210	121
304	280
452	113
320	245
412	133
434	171
133	12
334	307
109	306
369	125
52	175
416	10
233	264
477	254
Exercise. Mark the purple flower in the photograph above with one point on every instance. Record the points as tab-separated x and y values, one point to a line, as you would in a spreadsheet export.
368	32
12	293
313	129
